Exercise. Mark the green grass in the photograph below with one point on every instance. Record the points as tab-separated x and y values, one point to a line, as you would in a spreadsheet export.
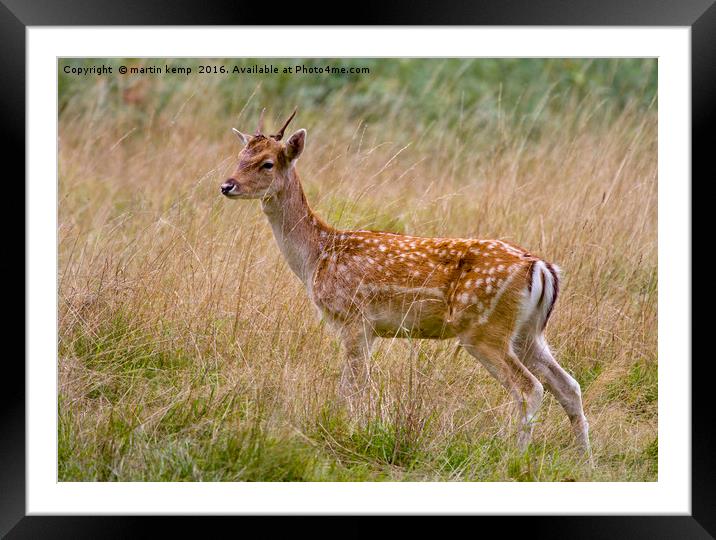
638	389
206	436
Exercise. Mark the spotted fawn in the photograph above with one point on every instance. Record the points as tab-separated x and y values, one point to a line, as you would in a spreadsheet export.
493	296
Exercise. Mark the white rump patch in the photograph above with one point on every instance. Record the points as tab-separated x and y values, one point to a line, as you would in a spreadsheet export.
528	309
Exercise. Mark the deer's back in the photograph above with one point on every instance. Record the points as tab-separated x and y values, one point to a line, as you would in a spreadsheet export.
418	286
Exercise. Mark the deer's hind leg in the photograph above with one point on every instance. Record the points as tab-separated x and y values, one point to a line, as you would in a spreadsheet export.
535	353
496	354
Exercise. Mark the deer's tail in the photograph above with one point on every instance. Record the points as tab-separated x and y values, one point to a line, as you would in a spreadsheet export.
541	295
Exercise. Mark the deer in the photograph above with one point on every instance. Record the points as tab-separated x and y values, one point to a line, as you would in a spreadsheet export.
493	296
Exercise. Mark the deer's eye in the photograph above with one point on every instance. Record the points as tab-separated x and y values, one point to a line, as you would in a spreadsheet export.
267	165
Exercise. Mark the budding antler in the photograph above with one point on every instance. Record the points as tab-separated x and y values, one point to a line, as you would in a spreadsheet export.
279	134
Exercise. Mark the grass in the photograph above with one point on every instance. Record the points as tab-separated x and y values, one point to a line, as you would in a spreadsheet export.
188	351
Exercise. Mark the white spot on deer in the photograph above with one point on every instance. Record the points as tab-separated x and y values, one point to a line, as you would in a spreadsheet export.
464	298
478	282
488	289
500	267
468	283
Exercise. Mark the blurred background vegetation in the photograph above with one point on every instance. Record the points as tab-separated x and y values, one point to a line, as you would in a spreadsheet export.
514	88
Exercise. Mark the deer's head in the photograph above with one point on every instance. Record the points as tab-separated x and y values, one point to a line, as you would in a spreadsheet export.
264	162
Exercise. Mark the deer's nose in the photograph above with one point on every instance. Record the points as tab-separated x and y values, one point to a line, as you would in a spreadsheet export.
227	186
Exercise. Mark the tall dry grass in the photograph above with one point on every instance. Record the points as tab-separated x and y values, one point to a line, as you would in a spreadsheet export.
189	351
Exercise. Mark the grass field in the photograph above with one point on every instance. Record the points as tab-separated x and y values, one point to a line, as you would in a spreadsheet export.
189	351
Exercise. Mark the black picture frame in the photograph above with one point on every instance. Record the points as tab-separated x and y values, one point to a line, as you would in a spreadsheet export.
699	15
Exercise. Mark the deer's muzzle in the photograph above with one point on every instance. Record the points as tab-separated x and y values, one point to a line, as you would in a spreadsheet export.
230	188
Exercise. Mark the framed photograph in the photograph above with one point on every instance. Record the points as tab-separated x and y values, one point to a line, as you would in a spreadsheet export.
424	270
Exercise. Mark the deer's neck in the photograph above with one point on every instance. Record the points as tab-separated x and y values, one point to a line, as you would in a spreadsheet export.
297	229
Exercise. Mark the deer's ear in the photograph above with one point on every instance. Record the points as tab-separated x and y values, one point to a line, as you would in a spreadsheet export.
242	136
295	144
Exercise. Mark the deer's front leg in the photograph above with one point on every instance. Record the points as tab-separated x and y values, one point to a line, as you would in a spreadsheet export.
357	340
